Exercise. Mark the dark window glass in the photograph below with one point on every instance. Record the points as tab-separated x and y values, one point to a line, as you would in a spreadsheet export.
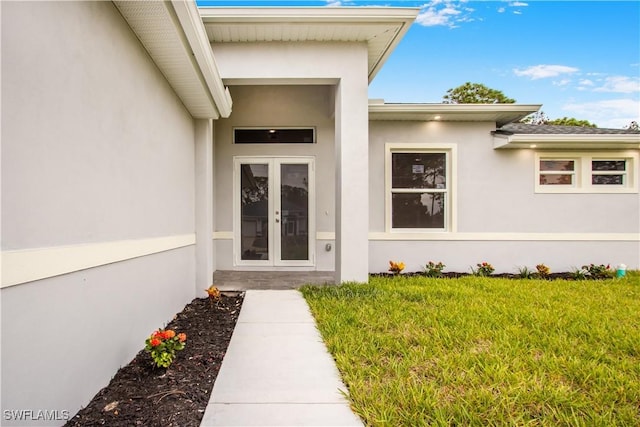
607	180
557	165
417	210
274	136
608	165
556	179
419	170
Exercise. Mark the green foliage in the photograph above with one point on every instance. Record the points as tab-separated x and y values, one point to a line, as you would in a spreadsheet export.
475	93
434	270
598	271
483	269
479	351
540	118
163	345
570	121
578	274
525	273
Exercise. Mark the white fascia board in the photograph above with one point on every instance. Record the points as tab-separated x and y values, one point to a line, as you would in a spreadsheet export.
402	30
307	14
502	113
191	23
571	141
454	108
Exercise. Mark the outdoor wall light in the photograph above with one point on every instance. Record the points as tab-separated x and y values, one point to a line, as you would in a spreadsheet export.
327	247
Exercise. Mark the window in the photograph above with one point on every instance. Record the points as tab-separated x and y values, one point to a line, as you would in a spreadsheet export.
274	136
557	172
419	188
586	172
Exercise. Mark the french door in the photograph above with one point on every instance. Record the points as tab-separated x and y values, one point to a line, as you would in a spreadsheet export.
273	211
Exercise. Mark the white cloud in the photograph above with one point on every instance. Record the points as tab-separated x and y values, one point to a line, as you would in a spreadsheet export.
610	113
563	82
518	4
620	84
443	12
334	3
544	71
517	12
586	82
501	10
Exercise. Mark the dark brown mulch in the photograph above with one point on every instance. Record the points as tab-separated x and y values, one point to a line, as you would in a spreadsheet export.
455	275
142	395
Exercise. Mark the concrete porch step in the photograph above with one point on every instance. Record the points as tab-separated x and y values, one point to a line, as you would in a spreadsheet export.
226	280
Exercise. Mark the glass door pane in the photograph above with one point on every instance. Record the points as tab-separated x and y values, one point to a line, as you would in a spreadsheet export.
294	215
254	212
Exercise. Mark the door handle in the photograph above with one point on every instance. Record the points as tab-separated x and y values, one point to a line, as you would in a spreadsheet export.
277	220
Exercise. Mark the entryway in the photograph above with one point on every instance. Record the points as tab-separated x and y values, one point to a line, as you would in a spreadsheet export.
274	220
275	280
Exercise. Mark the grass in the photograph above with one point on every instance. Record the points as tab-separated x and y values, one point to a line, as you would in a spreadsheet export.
486	351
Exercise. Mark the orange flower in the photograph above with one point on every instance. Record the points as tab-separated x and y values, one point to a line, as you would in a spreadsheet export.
155	342
158	335
182	337
168	334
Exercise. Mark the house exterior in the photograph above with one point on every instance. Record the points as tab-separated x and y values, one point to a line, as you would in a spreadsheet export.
146	145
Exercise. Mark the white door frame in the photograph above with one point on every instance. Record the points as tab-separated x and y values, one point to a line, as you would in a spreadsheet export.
274	209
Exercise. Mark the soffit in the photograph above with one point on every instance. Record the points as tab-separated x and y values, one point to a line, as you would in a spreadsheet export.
567	142
501	114
380	28
171	41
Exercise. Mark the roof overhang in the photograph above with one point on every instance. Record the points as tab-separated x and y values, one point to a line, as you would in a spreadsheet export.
381	28
174	36
501	114
567	142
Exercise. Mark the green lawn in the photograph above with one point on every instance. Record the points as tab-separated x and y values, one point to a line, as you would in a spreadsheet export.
486	351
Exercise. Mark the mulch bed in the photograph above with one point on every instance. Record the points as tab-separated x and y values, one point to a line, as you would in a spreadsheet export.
454	275
143	395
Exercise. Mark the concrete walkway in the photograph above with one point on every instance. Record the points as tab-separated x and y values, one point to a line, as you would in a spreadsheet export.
277	371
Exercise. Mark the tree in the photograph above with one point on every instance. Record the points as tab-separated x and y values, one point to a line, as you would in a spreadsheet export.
570	121
540	118
475	93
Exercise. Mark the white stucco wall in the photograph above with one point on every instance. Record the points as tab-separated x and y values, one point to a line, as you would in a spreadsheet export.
500	219
272	107
344	66
96	150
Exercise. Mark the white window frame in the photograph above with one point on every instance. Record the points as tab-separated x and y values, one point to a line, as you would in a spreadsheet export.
583	173
450	150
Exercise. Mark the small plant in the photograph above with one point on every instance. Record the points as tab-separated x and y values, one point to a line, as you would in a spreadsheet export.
484	269
598	271
543	271
163	344
578	274
396	267
214	294
434	270
525	273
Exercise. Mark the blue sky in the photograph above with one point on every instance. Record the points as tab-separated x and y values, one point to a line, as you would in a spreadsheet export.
578	58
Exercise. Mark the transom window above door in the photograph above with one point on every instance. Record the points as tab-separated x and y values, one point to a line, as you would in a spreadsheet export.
275	135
